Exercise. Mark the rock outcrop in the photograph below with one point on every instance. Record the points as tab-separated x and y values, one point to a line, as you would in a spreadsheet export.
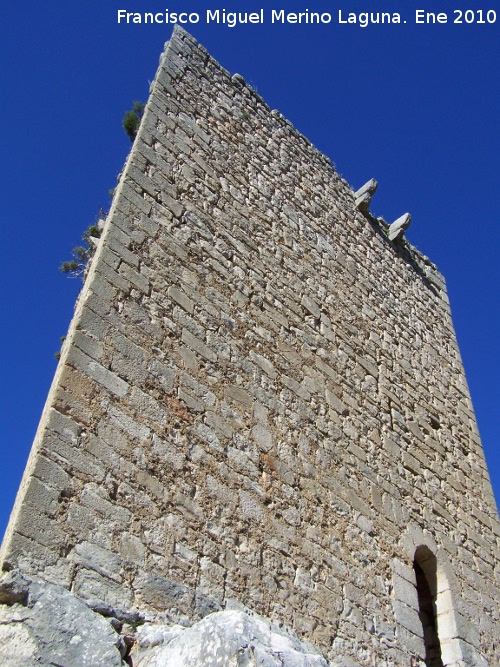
233	638
43	624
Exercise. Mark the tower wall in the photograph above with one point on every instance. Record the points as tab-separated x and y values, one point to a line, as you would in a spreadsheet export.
260	400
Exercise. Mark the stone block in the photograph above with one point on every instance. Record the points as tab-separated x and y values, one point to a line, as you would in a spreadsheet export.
74	459
311	306
54	627
91	585
123	421
94	370
405	591
335	403
262	437
264	364
397	229
91	524
451	652
208	437
181	298
164	594
240	396
370	187
407	617
188	506
101	560
63	425
198	346
363	202
41	497
40	528
132	549
27	553
51	473
404	571
241	462
412	642
111	510
250	507
93	348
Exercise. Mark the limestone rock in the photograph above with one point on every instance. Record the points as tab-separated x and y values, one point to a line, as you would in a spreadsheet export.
44	625
231	638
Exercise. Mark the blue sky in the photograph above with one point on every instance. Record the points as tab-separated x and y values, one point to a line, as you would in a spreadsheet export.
415	106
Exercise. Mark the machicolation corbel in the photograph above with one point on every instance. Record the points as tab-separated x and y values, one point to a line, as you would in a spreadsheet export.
239	79
364	195
397	229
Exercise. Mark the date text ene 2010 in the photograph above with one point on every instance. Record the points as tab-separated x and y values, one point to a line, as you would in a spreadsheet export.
461	16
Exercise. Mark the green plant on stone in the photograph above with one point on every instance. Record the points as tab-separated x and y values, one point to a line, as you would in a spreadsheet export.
57	355
132	119
75	267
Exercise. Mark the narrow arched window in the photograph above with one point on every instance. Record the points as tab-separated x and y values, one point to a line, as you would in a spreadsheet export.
425	566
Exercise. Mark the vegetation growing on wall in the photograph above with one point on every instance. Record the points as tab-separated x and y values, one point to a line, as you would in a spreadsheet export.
75	267
132	119
81	254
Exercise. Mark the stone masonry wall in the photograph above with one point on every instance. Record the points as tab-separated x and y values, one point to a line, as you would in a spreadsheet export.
261	400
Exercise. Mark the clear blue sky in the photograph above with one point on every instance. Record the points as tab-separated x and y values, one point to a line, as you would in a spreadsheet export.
415	106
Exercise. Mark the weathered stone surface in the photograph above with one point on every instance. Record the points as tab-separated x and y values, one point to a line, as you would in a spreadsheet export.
364	195
397	229
42	625
363	202
229	638
369	187
259	399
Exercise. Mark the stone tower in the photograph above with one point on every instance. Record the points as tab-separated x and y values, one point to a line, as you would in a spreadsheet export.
260	405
